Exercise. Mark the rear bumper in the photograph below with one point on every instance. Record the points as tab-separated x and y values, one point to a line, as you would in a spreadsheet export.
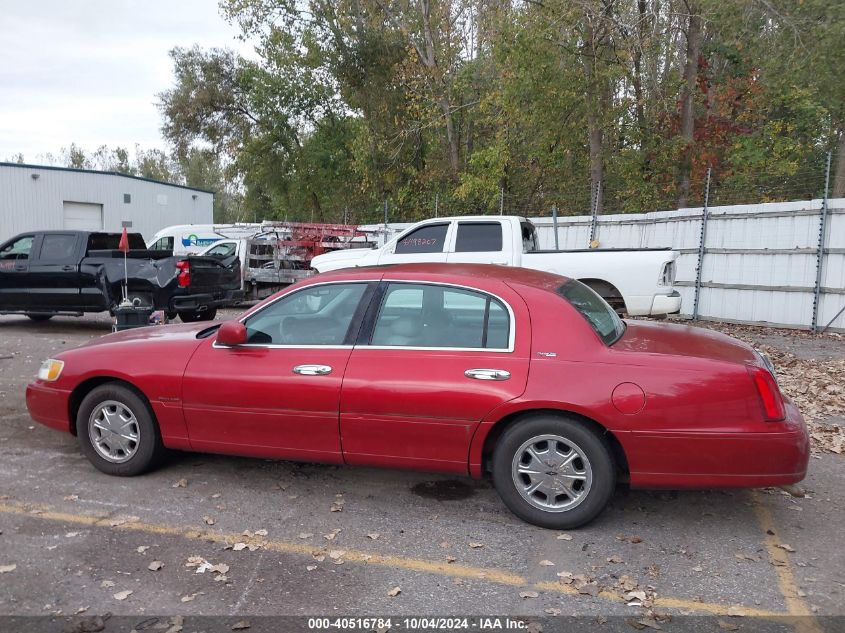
48	406
773	457
207	300
666	304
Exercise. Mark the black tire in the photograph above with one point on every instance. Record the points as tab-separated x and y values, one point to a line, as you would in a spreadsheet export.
192	316
148	450
39	317
593	446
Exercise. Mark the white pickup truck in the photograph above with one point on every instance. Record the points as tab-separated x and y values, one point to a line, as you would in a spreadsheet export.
636	281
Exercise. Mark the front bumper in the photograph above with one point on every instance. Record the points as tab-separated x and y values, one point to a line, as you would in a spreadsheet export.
666	304
48	406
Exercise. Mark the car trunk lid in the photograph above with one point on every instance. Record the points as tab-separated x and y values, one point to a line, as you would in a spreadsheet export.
684	340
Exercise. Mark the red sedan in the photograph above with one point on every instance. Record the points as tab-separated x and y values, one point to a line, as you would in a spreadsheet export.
469	369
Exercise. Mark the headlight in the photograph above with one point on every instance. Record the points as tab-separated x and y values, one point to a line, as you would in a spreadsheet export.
50	370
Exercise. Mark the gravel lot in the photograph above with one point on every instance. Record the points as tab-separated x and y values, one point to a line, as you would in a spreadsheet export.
75	541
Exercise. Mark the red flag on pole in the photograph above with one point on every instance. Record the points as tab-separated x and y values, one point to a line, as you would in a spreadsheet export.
124	241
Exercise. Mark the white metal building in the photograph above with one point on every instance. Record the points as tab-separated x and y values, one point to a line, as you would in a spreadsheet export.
37	197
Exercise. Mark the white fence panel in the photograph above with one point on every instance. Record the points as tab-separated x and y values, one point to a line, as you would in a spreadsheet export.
760	260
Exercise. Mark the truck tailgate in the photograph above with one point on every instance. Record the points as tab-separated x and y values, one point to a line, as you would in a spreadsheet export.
212	274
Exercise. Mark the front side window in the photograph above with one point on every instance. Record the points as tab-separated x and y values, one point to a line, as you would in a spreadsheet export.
426	239
478	237
222	250
19	249
592	307
422	315
317	315
58	247
163	244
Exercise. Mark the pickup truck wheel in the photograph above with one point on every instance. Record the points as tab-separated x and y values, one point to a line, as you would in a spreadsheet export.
39	317
117	431
554	472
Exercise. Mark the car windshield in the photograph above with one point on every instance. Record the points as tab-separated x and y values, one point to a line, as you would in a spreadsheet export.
598	313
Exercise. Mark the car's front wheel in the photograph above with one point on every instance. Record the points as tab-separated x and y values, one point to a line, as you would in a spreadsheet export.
553	471
117	431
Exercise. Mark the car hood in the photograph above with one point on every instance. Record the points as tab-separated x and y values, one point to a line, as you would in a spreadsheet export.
684	340
158	333
344	255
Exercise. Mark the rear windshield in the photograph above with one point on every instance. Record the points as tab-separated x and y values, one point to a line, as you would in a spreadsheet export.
598	313
111	241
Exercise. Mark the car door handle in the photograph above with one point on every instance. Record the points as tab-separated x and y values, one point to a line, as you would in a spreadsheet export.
68	269
487	374
312	370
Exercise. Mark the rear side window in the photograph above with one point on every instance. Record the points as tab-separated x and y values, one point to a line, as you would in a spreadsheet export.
478	237
592	307
424	315
426	239
163	244
58	247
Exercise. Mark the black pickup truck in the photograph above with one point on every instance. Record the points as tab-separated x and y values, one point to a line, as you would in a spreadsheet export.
48	273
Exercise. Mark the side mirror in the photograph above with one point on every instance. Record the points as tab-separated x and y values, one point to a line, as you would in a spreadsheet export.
231	334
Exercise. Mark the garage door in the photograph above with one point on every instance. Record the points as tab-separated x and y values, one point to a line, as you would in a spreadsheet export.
83	216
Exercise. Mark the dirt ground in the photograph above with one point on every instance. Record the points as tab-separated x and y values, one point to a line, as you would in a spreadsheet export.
240	538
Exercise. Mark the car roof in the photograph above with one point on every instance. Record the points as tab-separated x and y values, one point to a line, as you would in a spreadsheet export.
458	273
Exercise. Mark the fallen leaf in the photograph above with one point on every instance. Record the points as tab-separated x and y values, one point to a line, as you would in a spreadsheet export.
305	535
122	595
81	610
736	611
546	563
219	568
122	520
261	532
474	545
336	553
331	535
786	547
155	565
529	594
564	537
216	495
239	546
106	584
190	597
142	548
209	520
553	611
698	568
394	592
727	626
240	625
645	622
373	535
451	559
71	534
615	558
71	498
310	567
5	569
182	483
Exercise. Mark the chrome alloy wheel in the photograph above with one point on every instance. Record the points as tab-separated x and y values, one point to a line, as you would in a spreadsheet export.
552	473
114	431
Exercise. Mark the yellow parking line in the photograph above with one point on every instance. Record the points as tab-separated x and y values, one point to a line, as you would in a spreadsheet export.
451	570
779	559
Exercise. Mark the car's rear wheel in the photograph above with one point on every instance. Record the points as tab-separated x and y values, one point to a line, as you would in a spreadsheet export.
117	431
553	471
192	316
35	316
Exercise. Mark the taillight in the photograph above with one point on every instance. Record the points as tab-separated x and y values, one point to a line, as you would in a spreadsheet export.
770	397
184	277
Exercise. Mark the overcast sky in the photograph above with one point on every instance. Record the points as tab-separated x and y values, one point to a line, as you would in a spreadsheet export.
88	71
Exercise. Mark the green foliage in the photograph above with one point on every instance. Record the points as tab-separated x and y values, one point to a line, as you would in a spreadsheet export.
351	103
